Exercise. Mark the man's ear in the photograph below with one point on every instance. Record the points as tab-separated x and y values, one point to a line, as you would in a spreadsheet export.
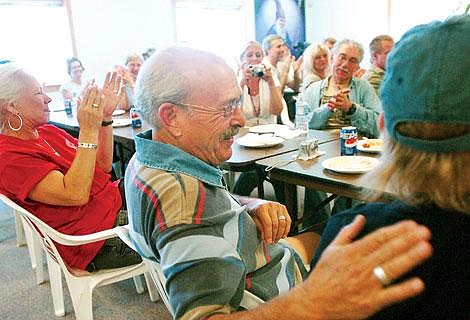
381	122
170	118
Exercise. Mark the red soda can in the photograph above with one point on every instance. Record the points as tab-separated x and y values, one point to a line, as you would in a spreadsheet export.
348	136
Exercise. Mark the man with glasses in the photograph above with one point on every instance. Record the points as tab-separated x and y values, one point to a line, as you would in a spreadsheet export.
212	245
342	100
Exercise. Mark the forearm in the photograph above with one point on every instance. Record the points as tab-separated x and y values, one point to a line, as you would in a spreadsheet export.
78	179
295	83
104	158
275	99
283	307
319	117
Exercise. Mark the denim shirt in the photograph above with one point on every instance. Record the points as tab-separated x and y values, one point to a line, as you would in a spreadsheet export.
362	95
167	157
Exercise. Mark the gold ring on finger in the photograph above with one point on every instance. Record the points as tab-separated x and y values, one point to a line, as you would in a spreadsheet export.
282	217
95	105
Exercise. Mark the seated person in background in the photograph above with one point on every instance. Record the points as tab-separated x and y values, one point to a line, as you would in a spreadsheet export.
129	74
426	164
330	43
281	62
74	88
206	240
338	101
342	100
148	53
262	103
63	181
283	66
379	47
262	99
316	64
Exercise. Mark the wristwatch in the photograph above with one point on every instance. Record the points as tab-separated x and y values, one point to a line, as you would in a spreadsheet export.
352	109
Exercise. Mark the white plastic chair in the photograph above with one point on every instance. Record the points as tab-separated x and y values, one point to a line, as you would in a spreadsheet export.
80	287
249	300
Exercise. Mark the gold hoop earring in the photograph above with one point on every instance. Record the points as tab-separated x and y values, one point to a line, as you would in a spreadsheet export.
21	123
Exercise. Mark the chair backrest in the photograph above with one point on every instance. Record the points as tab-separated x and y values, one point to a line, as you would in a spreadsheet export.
249	300
48	235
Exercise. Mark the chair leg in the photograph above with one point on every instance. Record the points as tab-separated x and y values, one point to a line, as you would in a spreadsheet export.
153	293
35	253
55	279
81	293
139	286
20	241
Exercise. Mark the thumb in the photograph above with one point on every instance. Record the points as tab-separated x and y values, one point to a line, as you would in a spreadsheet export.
349	232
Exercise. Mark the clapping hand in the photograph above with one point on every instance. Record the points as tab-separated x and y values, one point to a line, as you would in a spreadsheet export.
340	101
113	88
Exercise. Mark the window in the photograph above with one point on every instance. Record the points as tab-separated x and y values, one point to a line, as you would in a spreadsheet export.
36	34
218	26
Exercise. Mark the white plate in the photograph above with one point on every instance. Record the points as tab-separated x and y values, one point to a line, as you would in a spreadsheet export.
370	145
122	122
252	140
118	112
350	164
266	128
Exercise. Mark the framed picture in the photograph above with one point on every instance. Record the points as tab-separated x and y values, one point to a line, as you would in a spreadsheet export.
283	17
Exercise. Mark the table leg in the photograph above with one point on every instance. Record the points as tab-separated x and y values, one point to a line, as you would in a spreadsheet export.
290	196
260	175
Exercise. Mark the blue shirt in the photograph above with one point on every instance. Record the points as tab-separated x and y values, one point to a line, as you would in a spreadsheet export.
362	95
182	216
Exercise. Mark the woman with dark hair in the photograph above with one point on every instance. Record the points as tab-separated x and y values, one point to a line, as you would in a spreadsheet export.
74	88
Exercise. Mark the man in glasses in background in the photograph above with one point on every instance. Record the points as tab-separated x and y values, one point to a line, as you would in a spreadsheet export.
342	100
213	245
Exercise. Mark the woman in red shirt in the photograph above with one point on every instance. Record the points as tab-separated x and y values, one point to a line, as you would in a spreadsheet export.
62	180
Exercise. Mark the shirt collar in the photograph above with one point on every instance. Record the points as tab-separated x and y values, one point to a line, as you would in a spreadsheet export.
167	157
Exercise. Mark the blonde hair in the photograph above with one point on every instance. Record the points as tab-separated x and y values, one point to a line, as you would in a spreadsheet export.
417	176
249	44
310	54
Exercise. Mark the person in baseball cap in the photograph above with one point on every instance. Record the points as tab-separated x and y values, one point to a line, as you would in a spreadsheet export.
425	164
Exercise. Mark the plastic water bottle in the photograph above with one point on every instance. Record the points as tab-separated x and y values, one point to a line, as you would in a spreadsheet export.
302	109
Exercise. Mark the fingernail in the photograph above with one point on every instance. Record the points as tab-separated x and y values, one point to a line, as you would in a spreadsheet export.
423	232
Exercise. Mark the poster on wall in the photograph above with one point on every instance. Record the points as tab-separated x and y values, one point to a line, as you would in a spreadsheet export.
283	17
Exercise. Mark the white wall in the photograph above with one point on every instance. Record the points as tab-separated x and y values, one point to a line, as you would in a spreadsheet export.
107	30
362	20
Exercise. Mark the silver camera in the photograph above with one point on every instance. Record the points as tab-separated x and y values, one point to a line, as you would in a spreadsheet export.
257	70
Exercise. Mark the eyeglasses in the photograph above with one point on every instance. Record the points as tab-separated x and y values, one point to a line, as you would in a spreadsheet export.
227	110
352	60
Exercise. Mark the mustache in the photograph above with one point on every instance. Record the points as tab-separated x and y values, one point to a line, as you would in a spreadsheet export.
230	132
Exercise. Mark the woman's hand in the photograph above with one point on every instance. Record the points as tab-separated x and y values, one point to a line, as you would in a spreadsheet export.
113	87
90	109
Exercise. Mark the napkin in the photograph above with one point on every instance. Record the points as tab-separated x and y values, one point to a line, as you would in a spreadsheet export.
286	133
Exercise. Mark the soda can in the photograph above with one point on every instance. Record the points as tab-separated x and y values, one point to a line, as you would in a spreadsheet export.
135	118
348	136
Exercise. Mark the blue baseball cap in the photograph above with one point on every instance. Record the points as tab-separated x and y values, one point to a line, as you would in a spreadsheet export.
428	80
